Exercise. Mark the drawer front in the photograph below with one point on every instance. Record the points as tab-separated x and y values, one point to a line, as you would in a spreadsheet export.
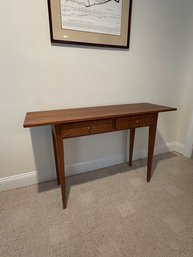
136	121
86	128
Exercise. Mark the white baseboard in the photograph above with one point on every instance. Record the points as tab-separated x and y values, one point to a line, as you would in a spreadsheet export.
30	178
180	148
16	181
82	167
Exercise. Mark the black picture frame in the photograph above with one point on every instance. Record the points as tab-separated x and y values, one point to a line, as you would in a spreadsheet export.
62	35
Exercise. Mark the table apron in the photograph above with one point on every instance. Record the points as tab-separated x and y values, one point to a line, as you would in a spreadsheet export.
92	127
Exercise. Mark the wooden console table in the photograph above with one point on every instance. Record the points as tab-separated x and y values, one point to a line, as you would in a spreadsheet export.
77	122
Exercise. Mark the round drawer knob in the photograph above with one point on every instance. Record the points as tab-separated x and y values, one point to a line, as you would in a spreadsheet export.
137	121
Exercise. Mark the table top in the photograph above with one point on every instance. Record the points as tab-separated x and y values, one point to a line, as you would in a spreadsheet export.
52	117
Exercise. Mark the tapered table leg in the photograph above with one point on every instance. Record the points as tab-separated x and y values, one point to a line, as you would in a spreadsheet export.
55	154
152	135
59	157
131	144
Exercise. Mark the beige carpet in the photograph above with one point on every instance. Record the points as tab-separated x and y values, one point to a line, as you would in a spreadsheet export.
111	212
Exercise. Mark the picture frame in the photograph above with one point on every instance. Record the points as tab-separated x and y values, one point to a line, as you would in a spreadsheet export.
90	22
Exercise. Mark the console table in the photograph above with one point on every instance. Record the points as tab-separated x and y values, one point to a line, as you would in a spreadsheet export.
68	123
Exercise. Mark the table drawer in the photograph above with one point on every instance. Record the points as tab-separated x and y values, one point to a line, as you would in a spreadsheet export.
136	121
86	128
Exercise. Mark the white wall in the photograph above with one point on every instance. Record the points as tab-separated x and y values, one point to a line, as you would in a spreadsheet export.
37	76
185	129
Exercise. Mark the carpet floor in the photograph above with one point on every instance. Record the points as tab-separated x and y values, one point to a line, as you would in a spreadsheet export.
111	212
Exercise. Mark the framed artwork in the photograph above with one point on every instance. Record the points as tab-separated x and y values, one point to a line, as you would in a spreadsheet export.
90	22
